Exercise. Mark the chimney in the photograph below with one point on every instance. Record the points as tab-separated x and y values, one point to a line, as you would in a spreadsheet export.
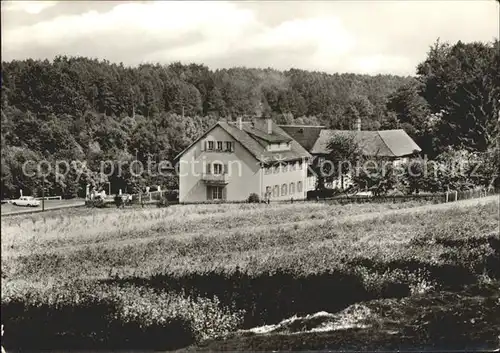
240	123
269	126
358	124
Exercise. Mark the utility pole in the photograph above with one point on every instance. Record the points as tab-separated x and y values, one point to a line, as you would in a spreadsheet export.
43	194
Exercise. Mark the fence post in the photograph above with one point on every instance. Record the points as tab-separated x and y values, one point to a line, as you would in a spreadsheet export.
456	195
446	196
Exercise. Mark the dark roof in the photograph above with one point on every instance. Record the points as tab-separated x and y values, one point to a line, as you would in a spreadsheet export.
385	143
271	138
254	138
305	135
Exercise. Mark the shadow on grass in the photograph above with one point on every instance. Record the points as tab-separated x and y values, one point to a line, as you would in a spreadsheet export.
465	321
88	325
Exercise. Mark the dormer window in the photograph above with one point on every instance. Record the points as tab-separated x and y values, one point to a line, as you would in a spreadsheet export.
282	146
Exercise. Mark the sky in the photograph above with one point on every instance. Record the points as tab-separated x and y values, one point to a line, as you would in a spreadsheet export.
370	37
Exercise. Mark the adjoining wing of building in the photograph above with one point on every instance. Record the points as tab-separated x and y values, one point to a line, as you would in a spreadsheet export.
391	144
232	160
394	145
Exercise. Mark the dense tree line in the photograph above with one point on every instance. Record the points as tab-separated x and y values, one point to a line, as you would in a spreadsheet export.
455	100
77	108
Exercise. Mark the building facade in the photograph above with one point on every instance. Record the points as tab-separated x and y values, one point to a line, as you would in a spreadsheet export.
233	160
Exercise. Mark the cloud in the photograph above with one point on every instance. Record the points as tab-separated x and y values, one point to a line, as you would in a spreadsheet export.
367	37
132	23
31	7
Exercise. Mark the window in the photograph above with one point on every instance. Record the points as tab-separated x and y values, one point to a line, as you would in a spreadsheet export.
215	192
229	146
219	145
218	168
276	191
276	169
209	168
210	145
284	190
268	191
292	188
299	186
278	146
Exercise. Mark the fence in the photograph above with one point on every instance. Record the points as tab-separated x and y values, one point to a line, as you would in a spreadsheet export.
442	197
149	197
49	198
450	196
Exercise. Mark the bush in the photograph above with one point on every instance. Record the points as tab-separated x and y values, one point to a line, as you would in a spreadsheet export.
253	198
118	201
92	315
172	195
163	202
99	203
323	193
168	198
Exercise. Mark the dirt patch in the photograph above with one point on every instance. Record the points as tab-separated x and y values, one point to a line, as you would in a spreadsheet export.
467	320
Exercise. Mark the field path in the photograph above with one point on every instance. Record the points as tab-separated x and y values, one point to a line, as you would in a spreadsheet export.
308	222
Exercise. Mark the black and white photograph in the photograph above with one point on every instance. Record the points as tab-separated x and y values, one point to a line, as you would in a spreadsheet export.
250	176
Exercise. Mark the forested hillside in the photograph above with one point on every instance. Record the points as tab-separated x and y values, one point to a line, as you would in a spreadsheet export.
76	108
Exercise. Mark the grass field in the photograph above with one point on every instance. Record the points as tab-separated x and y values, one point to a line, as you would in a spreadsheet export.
168	278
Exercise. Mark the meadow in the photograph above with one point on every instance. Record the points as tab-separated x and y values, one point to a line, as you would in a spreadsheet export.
167	278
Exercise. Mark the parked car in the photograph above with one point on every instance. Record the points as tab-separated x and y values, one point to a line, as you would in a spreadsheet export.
28	201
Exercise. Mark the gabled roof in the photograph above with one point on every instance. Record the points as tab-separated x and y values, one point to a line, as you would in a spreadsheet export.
254	137
305	135
384	143
271	138
399	142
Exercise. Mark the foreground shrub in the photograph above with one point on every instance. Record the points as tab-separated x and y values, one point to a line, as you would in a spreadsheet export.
87	315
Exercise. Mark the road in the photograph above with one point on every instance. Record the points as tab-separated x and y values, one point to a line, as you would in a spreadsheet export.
8	209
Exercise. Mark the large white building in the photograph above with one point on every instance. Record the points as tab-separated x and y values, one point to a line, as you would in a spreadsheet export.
232	160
